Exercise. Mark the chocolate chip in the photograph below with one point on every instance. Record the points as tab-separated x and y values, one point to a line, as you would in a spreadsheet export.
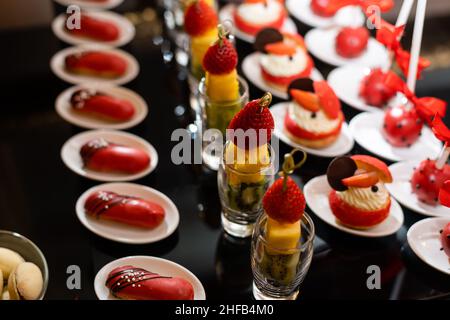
340	168
417	186
313	115
266	36
374	188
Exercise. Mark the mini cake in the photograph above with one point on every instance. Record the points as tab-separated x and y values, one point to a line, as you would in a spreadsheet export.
253	15
313	117
374	90
99	64
283	57
95	29
359	198
352	42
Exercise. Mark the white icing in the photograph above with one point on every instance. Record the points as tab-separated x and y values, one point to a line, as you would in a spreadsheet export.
260	13
364	198
284	65
304	119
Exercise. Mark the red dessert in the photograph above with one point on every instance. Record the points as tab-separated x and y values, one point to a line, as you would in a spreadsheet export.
427	180
254	15
100	155
124	209
374	90
102	105
131	283
352	42
444	194
328	8
359	199
96	29
314	117
445	239
283	57
96	63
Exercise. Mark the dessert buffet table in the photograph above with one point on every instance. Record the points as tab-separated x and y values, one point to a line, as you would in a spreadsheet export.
38	192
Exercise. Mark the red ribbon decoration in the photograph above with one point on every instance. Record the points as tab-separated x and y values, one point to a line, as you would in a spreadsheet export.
427	107
390	35
440	130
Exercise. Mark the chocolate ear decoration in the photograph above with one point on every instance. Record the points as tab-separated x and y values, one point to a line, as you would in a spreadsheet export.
266	36
304	84
340	168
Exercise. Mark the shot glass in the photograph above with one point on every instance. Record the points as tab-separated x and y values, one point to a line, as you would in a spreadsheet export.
242	186
278	273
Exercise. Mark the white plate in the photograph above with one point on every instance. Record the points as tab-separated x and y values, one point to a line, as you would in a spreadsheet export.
401	190
152	264
340	147
70	154
67	112
301	10
252	71
127	30
366	130
316	194
226	13
321	43
91	4
58	67
346	82
124	233
424	239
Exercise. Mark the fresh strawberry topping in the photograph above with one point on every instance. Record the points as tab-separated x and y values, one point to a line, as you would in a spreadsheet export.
199	17
221	57
328	99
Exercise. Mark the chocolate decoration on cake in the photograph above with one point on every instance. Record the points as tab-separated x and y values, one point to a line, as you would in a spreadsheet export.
304	84
90	148
266	36
340	168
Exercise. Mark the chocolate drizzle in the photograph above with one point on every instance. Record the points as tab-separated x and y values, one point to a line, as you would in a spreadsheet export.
104	201
130	277
90	148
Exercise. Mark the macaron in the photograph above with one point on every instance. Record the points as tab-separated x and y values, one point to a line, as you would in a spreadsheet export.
25	282
9	260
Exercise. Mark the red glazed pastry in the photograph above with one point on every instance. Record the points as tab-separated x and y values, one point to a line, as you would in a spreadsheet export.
402	126
131	283
444	194
96	29
100	155
96	63
254	15
374	90
103	105
445	239
129	210
352	42
314	117
359	198
427	180
283	58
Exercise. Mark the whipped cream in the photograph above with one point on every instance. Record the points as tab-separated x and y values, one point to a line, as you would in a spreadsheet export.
284	65
260	13
305	119
365	198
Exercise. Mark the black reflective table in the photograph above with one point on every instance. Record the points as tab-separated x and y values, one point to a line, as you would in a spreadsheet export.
38	193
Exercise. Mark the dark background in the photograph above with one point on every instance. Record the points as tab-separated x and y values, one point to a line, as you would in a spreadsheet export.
38	193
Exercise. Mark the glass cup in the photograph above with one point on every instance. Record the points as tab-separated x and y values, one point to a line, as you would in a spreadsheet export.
217	115
278	273
241	189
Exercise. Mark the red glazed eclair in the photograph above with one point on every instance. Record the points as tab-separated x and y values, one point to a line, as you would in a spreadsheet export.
97	64
133	283
125	209
96	29
103	105
100	155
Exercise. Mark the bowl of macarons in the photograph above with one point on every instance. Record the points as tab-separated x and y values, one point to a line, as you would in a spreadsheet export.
23	268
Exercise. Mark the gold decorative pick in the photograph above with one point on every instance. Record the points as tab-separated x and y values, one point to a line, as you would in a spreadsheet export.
265	100
289	165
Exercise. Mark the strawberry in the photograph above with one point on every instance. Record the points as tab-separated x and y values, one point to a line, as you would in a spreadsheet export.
284	206
328	99
374	90
427	180
402	126
284	201
351	42
221	57
255	115
199	17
